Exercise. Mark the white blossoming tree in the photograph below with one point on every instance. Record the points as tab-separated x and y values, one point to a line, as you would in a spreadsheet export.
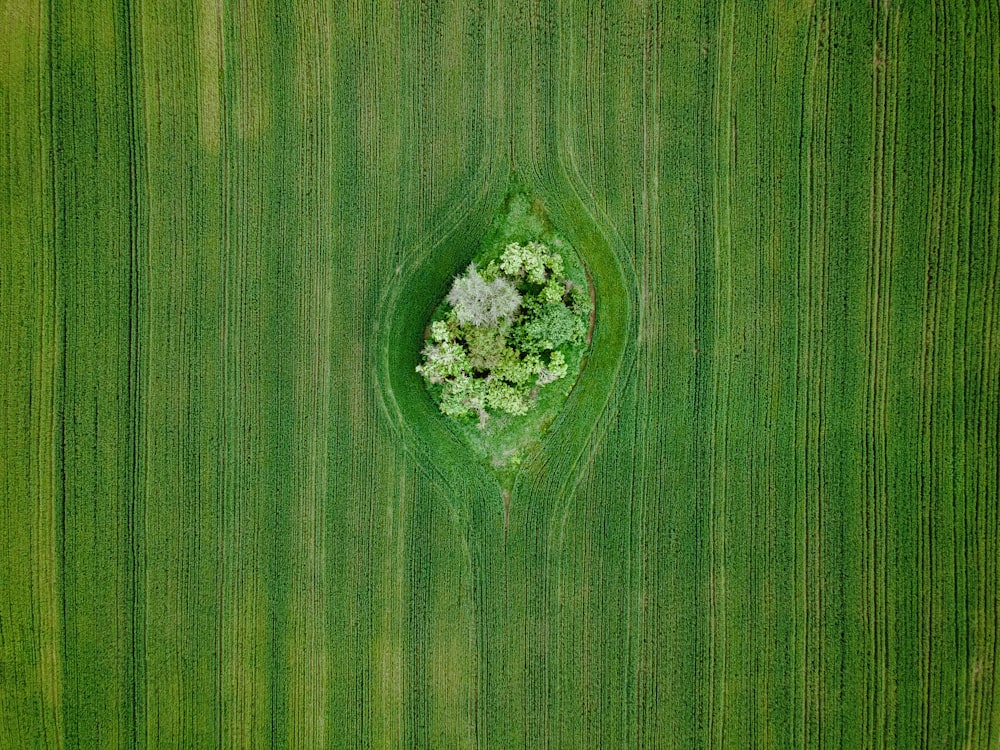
481	302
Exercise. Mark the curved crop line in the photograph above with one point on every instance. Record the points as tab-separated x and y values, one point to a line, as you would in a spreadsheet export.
614	280
616	283
620	332
423	431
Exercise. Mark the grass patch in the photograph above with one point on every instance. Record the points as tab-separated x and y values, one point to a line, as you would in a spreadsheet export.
506	345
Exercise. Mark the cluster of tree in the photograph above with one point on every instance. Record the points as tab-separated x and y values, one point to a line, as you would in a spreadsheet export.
504	332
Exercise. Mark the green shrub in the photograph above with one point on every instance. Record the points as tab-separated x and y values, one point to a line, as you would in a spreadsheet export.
552	326
521	222
486	346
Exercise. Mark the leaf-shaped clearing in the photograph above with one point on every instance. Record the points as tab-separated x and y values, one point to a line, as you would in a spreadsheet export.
505	347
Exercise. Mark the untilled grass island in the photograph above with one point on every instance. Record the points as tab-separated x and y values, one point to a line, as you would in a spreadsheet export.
506	345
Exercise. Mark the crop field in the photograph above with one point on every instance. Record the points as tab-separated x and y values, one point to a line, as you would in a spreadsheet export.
230	514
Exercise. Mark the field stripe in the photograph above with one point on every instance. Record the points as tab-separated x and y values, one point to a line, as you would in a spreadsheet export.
30	614
879	285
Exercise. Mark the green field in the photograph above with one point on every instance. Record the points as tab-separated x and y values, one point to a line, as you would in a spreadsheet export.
232	516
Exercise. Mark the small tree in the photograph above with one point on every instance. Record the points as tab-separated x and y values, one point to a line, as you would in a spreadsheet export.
553	326
442	361
505	397
480	302
486	347
532	260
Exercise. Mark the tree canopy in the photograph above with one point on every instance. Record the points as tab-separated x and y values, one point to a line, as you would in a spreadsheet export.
503	332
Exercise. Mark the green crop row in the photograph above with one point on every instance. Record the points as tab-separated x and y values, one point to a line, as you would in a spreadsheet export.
233	517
